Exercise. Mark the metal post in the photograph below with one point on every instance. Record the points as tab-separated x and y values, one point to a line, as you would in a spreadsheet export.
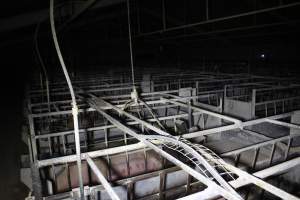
190	111
188	184
78	151
162	180
36	182
253	104
256	152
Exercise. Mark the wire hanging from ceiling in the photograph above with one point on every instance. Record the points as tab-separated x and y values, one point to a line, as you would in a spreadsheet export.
130	45
135	99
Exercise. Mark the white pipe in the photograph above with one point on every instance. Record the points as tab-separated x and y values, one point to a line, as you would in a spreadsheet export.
74	104
102	179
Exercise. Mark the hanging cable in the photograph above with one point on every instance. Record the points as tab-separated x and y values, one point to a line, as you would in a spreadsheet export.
152	113
130	45
74	104
134	95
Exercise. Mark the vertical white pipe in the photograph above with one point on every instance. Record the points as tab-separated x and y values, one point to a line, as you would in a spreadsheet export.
74	104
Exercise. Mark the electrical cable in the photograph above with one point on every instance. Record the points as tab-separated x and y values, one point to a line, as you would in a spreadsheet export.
153	114
74	104
130	45
134	95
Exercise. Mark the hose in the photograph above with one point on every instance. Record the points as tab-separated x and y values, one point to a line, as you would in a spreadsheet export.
37	49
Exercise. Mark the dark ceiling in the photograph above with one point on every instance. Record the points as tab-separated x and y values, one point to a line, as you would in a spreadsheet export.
108	17
171	30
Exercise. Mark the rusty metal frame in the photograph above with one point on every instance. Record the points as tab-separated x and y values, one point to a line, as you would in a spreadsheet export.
176	100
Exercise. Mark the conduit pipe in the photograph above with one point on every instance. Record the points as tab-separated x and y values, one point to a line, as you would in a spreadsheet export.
74	104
